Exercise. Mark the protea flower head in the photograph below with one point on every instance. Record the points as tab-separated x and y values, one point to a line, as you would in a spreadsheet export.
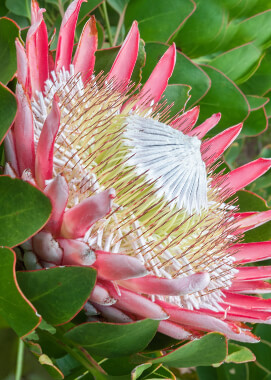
134	192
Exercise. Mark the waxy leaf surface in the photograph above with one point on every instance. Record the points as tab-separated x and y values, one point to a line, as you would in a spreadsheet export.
157	20
14	307
112	340
7	102
58	293
8	64
208	350
24	210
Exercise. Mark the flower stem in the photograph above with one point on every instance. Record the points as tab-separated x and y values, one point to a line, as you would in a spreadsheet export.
20	358
60	7
121	19
82	356
107	24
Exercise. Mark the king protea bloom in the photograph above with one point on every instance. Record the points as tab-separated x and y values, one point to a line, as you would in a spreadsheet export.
134	192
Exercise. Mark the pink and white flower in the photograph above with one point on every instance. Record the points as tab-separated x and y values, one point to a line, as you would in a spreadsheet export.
134	193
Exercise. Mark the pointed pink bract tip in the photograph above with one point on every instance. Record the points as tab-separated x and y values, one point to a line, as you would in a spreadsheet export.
213	148
124	63
158	80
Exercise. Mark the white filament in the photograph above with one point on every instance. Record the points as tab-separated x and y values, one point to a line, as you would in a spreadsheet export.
170	158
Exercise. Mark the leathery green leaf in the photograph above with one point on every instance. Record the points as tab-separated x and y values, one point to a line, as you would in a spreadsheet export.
256	29
236	62
8	63
58	293
112	339
24	210
239	354
158	20
208	350
204	29
256	123
7	101
14	307
260	82
178	95
225	97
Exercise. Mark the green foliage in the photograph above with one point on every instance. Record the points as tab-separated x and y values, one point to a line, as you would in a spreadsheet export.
7	101
113	340
225	97
158	20
13	304
58	293
24	210
8	32
197	353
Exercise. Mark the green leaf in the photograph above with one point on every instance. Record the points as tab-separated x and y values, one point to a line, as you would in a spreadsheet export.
185	71
210	349
14	307
233	152
256	102
67	364
157	20
239	354
261	233
22	22
225	97
101	36
248	201
236	62
255	124
268	105
24	210
262	350
262	183
7	101
118	5
204	30
239	8
260	82
3	9
86	9
178	95
161	342
58	293
207	373
51	346
140	62
256	29
8	62
119	366
137	371
47	363
226	372
162	373
20	7
112	340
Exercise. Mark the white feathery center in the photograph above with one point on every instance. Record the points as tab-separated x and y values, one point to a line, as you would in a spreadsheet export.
170	158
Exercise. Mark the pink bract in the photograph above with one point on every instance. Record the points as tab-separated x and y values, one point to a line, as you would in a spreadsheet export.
85	171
